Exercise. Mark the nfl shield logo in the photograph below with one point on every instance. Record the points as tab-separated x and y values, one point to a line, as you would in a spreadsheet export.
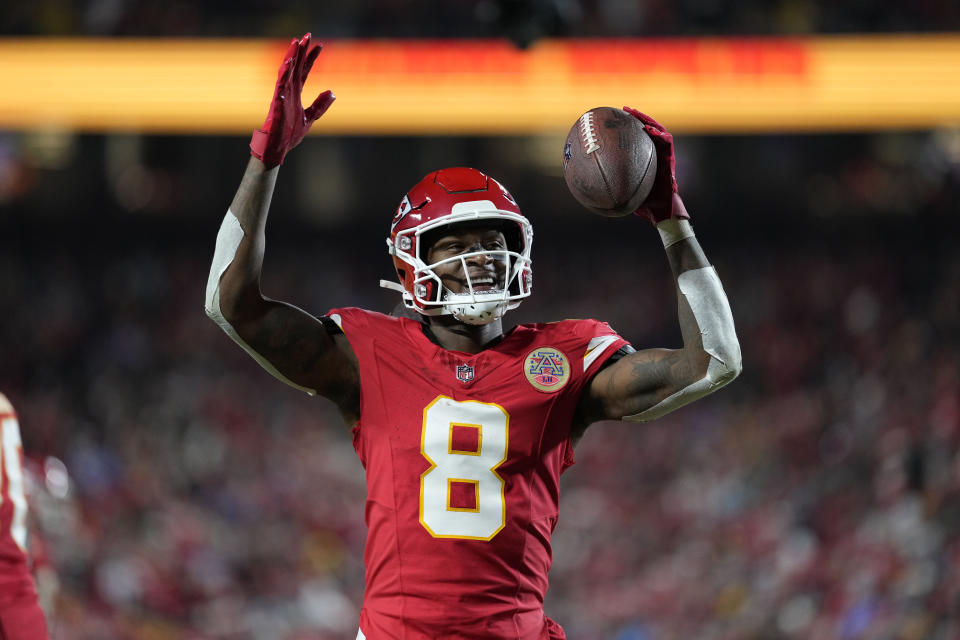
464	373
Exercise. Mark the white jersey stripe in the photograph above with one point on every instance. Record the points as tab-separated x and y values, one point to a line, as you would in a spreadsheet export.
595	349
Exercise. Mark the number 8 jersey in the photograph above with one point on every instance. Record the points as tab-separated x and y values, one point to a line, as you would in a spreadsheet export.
463	455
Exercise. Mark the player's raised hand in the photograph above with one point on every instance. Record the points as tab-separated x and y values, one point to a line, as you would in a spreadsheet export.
664	201
287	121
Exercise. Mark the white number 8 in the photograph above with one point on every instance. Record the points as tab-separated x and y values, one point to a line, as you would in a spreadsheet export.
461	495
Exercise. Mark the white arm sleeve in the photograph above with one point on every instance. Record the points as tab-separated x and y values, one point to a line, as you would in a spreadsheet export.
228	240
711	309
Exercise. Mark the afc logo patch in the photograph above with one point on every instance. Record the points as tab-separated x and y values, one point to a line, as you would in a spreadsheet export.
547	369
464	373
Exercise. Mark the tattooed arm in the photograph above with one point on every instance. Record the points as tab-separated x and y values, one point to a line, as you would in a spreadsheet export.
290	343
647	384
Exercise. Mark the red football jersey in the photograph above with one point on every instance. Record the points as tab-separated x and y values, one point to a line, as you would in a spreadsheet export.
20	615
14	569
463	455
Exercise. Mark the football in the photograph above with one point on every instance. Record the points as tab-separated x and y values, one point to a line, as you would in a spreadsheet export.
609	162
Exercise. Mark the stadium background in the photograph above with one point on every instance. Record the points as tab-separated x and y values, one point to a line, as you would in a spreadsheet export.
816	497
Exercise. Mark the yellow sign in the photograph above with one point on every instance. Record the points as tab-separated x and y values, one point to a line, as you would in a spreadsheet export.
487	86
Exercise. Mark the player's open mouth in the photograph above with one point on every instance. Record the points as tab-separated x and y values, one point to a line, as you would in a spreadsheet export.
484	284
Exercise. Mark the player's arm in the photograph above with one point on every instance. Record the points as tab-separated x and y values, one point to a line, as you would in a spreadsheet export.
647	384
290	343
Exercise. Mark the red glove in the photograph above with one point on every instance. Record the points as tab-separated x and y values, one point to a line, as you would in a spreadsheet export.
287	121
663	202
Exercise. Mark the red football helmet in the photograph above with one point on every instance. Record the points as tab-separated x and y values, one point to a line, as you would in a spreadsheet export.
456	196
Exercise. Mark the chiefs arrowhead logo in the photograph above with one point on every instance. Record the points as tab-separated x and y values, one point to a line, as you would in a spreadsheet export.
401	213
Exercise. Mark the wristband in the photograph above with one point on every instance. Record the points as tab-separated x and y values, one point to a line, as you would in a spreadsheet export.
673	230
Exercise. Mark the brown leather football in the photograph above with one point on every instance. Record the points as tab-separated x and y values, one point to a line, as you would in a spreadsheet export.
609	161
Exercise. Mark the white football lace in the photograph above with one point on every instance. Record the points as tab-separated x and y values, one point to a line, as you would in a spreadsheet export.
590	141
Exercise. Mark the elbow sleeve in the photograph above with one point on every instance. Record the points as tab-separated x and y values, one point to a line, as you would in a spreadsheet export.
711	309
703	292
228	241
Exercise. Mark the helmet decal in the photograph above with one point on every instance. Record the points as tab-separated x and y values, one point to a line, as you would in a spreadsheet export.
402	210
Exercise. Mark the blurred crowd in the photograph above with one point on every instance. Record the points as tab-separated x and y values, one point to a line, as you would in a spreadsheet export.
819	498
523	21
816	497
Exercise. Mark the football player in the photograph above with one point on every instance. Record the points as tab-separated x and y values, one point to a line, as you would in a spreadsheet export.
463	429
20	615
